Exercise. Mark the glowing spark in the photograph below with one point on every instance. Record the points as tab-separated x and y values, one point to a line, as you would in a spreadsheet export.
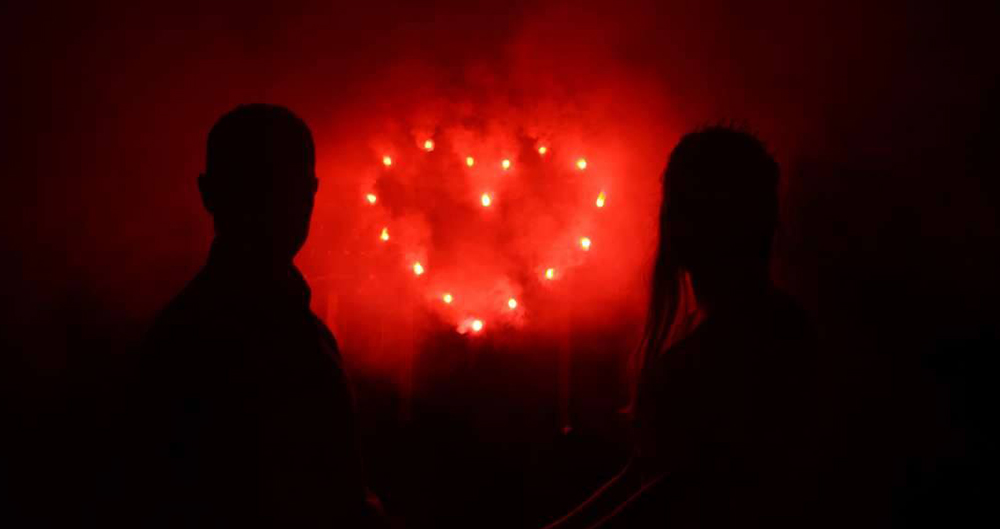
600	200
371	198
542	150
429	145
385	234
512	303
505	164
585	243
550	274
418	269
477	325
386	161
581	164
469	161
448	298
486	200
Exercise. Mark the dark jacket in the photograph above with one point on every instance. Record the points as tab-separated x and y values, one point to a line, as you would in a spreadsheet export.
246	412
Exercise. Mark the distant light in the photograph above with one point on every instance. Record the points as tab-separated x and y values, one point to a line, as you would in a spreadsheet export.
386	161
550	274
505	164
581	164
585	243
486	200
600	200
371	198
385	234
418	269
429	145
512	303
477	325
448	298
470	161
542	150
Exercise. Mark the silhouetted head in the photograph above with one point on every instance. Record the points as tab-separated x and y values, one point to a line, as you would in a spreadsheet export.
717	220
720	210
260	180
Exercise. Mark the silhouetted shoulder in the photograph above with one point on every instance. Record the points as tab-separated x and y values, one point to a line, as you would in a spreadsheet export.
786	316
786	307
185	309
182	332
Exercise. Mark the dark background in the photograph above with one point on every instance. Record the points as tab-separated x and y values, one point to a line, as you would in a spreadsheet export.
883	117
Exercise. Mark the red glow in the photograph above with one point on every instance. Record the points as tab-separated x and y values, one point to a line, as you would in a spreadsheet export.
492	230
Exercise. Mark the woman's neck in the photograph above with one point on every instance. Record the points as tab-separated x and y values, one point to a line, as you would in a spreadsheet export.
731	296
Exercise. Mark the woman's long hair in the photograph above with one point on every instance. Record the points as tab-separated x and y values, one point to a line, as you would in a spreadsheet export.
664	296
665	300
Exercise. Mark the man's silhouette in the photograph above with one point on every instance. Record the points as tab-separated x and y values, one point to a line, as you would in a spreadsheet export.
248	409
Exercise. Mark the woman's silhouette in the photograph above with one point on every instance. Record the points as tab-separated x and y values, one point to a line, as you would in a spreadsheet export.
720	382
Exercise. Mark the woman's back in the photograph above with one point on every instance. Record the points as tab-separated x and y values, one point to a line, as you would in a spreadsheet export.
723	415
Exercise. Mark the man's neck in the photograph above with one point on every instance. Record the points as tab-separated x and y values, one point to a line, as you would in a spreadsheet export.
248	260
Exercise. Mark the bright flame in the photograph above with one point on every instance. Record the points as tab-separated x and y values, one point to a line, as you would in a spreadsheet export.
505	164
385	234
429	145
477	325
371	198
469	161
486	200
600	200
550	274
448	298
386	161
542	150
585	243
418	269
512	303
581	164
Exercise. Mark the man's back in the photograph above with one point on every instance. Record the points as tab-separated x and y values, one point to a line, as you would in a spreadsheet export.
250	411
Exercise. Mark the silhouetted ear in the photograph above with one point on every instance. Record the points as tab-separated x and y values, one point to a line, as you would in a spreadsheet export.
207	192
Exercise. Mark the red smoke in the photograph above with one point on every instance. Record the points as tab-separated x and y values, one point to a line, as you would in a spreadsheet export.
498	201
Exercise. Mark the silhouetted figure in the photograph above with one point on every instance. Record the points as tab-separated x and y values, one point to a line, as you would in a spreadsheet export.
249	413
721	396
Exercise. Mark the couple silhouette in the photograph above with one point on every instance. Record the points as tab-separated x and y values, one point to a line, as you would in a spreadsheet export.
248	418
